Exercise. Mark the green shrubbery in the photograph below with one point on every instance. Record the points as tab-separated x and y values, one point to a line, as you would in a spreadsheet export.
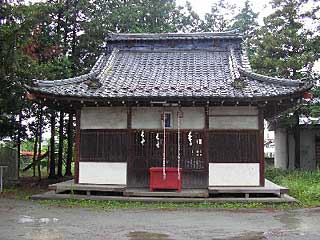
303	185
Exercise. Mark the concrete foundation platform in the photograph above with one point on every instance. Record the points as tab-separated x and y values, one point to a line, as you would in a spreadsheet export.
271	192
268	188
71	186
51	195
185	193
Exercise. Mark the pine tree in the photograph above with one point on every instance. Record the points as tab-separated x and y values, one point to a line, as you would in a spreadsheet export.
286	46
189	20
246	20
220	17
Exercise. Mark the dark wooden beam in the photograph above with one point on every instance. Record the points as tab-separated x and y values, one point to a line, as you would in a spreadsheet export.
206	141
70	145
52	171
60	148
206	117
261	144
77	147
129	117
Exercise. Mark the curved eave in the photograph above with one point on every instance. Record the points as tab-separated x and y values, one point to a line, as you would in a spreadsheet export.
266	79
73	97
96	69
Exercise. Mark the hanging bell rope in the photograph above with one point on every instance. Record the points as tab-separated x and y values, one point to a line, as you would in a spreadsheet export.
164	147
179	147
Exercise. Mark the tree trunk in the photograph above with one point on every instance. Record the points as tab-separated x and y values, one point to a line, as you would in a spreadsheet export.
70	145
19	141
74	34
60	12
65	28
40	140
60	154
52	173
35	146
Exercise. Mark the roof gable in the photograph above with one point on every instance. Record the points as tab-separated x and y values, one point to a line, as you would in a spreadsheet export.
172	66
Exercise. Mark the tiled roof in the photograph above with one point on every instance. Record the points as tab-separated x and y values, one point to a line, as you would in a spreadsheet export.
170	72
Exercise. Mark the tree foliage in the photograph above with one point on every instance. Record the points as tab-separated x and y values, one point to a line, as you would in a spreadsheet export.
63	38
219	18
286	46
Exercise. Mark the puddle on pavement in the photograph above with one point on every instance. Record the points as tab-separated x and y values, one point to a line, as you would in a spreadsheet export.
44	234
289	220
29	219
25	219
246	236
142	235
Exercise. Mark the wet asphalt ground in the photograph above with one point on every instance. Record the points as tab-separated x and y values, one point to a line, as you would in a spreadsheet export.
31	220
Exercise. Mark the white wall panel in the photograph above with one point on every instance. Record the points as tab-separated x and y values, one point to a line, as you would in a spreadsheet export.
240	110
103	173
240	117
234	174
233	122
150	117
103	118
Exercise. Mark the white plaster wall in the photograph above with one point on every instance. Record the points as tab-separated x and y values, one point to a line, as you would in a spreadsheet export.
150	117
103	173
103	118
234	174
233	122
240	110
233	117
281	152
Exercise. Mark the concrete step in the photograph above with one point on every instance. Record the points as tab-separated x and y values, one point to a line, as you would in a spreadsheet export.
185	193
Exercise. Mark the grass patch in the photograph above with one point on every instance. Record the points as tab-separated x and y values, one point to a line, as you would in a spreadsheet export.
303	185
107	205
20	193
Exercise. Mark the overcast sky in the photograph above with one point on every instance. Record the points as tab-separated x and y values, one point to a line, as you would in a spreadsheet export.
259	6
203	6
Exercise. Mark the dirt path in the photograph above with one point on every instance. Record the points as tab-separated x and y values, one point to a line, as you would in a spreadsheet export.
31	220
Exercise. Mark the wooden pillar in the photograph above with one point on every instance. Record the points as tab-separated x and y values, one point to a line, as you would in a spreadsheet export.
206	118
206	141
77	147
261	145
129	139
40	142
60	151
70	145
52	172
129	118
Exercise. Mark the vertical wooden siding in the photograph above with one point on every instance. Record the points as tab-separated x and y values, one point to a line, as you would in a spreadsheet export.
143	157
103	146
223	146
240	146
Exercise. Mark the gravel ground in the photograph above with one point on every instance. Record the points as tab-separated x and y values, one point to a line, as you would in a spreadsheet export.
31	220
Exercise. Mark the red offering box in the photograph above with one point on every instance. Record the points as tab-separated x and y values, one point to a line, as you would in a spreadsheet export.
170	182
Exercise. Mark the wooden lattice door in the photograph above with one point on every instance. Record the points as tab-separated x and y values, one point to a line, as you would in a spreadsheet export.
147	152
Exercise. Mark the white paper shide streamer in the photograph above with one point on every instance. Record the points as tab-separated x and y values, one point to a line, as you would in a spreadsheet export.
142	138
190	138
158	141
